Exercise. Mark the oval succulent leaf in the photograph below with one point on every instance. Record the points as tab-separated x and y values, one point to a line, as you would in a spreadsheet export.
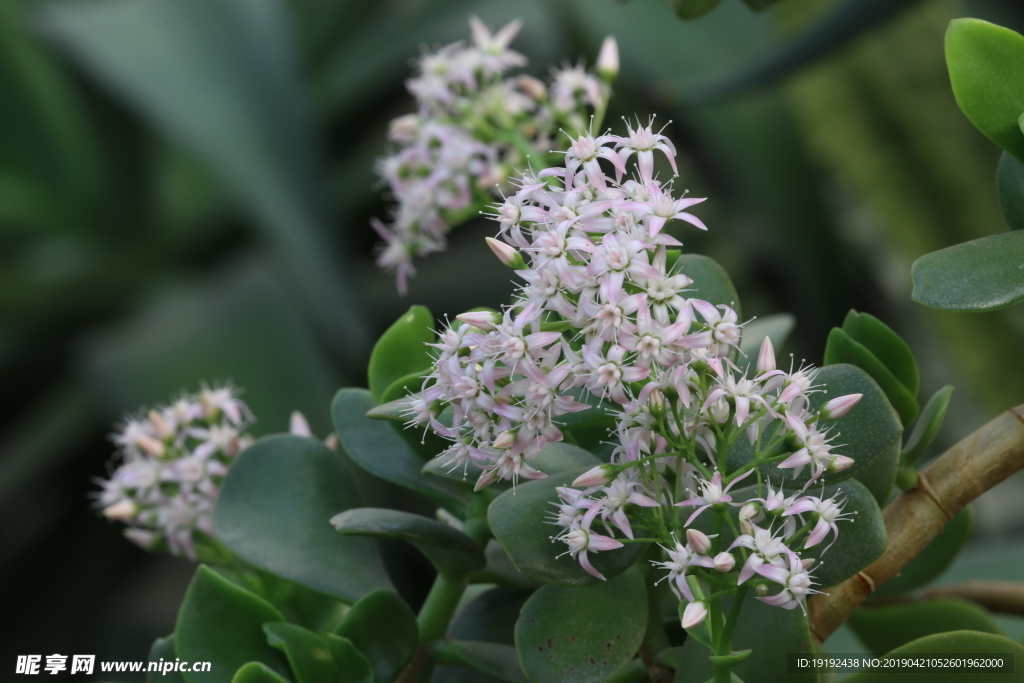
886	346
927	426
889	627
452	552
954	642
493	659
401	350
383	628
842	348
985	274
1010	190
307	652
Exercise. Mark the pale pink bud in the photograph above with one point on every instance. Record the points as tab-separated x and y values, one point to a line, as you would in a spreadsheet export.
608	59
724	562
149	445
698	541
506	253
807	562
839	406
761	590
332	442
747	513
504	440
839	463
160	426
298	425
597	476
656	403
766	357
533	87
403	129
122	510
694	614
485	320
140	537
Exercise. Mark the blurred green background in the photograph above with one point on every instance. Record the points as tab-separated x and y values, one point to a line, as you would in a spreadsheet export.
186	185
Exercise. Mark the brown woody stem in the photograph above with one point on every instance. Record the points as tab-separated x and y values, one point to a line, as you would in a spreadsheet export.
958	476
1002	597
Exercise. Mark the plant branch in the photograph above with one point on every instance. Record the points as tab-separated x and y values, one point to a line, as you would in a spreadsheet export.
958	476
1003	597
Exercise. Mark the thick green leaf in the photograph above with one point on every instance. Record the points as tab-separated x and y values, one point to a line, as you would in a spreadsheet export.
222	623
219	78
927	426
1010	190
501	571
499	661
383	628
307	652
597	415
986	70
163	651
694	9
274	511
490	616
870	434
886	346
519	519
710	281
842	348
349	660
452	552
933	560
257	672
402	386
886	628
955	642
401	350
582	634
771	632
981	275
377	448
759	5
776	327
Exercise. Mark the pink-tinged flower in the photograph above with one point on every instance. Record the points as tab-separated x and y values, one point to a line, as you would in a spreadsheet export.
608	372
662	208
742	391
723	324
794	579
712	494
506	253
652	341
607	64
680	558
495	57
767	549
816	450
581	541
572	84
797	384
749	514
618	494
510	465
644	142
584	151
829	512
724	561
484	320
694	614
839	406
615	258
298	425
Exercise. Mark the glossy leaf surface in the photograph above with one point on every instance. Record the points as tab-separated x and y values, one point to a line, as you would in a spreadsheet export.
451	551
163	648
222	623
582	634
519	519
955	642
257	672
307	652
986	70
274	511
348	659
886	346
493	659
842	348
376	447
383	628
1010	190
981	275
888	627
927	426
401	350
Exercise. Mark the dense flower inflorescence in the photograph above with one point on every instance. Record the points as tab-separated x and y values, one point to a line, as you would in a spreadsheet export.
172	462
604	315
473	125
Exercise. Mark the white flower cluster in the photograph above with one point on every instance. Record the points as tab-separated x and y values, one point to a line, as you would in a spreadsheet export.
472	127
172	462
604	311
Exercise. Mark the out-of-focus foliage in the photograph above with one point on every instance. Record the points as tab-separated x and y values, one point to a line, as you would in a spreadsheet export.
185	190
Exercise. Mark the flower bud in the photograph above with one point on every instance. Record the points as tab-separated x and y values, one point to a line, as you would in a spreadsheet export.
598	476
403	129
122	510
724	562
698	541
766	357
163	430
807	562
533	87
485	320
839	463
694	614
140	537
298	425
747	513
839	406
149	445
504	440
608	60
506	253
656	403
